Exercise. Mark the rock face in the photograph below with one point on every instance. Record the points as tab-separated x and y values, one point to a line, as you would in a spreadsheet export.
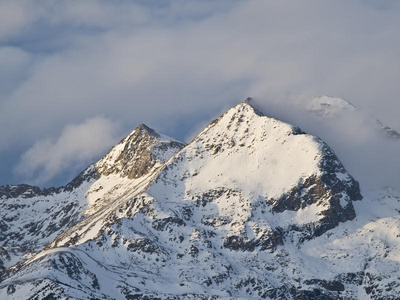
252	208
138	153
334	189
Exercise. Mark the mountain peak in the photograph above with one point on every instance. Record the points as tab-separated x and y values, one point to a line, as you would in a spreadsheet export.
144	129
326	106
251	103
248	100
137	154
263	162
252	208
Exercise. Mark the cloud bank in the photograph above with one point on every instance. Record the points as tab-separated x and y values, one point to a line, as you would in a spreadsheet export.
174	64
76	145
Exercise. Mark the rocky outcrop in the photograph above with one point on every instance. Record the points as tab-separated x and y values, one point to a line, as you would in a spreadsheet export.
138	153
334	190
29	191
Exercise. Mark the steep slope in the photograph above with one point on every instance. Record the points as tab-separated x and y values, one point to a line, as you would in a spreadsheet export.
133	160
263	165
138	154
30	217
231	215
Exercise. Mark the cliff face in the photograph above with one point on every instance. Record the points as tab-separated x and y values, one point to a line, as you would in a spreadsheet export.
138	153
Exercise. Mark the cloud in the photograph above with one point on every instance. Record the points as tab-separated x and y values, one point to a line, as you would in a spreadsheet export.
14	17
14	62
173	64
72	149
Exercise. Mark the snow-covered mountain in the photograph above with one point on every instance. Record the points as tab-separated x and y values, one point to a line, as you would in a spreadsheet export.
329	107
252	208
30	217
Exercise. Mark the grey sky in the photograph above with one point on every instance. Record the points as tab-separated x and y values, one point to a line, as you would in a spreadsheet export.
66	65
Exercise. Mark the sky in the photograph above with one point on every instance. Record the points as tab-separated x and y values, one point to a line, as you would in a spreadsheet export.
76	76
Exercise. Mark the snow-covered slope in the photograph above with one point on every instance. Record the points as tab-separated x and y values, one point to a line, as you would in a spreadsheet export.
252	208
248	163
30	217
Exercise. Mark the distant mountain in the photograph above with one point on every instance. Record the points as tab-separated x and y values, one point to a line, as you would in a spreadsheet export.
327	107
252	208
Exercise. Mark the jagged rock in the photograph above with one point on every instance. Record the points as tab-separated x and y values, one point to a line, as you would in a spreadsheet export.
14	191
143	244
328	285
11	289
161	224
138	153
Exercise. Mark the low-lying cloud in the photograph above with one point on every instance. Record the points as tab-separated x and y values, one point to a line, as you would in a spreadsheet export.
76	145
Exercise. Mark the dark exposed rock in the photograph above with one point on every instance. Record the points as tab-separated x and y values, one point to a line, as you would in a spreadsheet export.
14	191
4	256
3	226
186	213
193	251
325	190
327	187
209	196
351	278
270	240
29	191
215	221
161	224
267	242
297	131
328	285
142	297
143	245
10	289
235	242
315	294
74	268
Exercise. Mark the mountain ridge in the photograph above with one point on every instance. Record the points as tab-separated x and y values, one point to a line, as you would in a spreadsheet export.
248	209
66	205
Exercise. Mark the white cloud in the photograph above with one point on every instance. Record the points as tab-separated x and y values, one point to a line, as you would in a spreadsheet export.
14	17
72	149
175	63
14	64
